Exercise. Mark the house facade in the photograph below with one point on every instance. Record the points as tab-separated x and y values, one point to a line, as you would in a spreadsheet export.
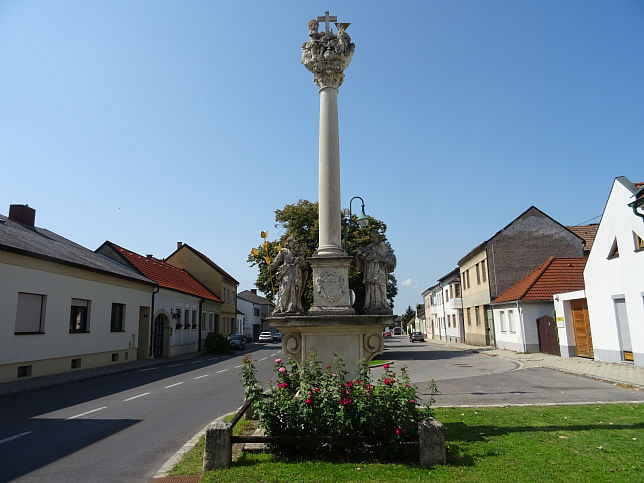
431	311
215	278
523	314
177	306
64	307
614	277
504	259
255	309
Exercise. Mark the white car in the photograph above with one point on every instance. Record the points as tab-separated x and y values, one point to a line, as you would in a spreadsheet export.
266	337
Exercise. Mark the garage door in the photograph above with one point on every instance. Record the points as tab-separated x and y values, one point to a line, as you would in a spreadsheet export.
581	324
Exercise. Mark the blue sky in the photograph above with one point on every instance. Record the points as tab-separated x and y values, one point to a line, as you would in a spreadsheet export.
152	122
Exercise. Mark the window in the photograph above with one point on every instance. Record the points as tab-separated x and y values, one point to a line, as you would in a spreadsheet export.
458	289
186	319
639	242
478	316
79	317
30	313
614	250
467	273
211	318
511	321
194	319
469	316
446	296
483	271
203	321
478	275
256	311
118	318
502	321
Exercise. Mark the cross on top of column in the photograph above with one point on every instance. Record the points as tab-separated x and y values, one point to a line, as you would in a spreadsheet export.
326	19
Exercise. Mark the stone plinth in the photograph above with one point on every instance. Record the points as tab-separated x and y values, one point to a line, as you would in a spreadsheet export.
331	294
355	337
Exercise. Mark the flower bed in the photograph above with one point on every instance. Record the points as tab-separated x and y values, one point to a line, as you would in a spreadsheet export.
323	404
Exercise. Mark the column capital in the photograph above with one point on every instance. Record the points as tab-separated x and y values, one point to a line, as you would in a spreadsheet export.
327	54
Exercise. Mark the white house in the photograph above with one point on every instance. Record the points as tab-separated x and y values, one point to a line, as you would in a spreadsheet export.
64	307
522	314
177	307
255	309
444	307
614	277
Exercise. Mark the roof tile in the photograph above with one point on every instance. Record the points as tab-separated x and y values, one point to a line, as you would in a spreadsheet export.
555	275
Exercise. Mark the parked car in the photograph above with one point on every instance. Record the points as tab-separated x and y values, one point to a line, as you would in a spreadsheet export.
266	337
238	341
387	334
416	336
277	336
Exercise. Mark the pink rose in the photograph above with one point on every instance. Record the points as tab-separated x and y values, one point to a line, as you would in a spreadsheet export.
308	401
386	366
398	431
278	361
282	370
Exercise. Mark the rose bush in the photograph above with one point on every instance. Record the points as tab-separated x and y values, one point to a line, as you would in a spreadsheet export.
309	400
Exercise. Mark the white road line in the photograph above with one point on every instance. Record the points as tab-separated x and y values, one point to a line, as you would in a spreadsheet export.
199	377
214	359
172	385
223	370
263	359
175	365
237	367
148	369
273	355
15	436
87	412
134	397
196	362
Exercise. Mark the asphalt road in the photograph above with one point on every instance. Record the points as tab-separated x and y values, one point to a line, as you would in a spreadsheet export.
468	378
118	428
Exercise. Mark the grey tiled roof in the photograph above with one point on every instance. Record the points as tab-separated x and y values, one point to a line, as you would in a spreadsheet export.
44	244
254	298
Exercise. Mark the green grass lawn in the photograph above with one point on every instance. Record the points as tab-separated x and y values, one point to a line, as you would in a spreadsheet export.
555	443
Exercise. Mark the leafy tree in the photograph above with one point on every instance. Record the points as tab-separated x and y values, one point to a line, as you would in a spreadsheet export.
301	221
407	317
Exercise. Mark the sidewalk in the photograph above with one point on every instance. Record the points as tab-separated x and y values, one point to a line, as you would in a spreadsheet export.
40	382
626	373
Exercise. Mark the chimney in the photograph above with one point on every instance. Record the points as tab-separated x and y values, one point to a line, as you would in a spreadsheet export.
149	257
179	245
22	214
253	290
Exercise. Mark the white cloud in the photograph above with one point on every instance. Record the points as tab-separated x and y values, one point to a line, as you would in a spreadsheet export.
408	282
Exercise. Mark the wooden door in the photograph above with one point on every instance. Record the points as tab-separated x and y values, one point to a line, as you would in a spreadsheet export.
548	341
581	325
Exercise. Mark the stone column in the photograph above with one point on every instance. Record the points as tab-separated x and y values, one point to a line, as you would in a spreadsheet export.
327	55
330	238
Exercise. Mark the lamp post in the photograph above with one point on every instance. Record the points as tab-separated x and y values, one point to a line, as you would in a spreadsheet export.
363	220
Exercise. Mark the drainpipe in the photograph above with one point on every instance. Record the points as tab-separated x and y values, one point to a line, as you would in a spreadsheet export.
199	325
155	291
522	326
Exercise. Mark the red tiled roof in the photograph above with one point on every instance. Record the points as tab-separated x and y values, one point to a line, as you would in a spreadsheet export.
587	233
166	275
555	275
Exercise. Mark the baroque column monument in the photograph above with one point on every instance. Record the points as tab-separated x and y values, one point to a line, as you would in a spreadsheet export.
331	325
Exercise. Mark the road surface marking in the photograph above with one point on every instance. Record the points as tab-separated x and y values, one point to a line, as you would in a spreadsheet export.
172	385
15	436
87	412
273	355
199	377
175	365
263	359
237	367
196	362
214	359
223	370
134	397
148	369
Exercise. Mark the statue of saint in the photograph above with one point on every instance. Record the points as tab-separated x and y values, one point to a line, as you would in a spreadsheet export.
292	272
376	261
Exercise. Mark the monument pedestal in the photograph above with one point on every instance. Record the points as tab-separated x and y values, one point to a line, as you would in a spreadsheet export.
331	294
354	337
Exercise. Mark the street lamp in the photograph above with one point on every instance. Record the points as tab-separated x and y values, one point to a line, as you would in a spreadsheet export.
362	218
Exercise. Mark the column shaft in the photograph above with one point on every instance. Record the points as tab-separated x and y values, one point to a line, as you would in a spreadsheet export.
330	239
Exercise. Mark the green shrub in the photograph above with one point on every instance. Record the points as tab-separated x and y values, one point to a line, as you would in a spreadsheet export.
216	343
310	400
